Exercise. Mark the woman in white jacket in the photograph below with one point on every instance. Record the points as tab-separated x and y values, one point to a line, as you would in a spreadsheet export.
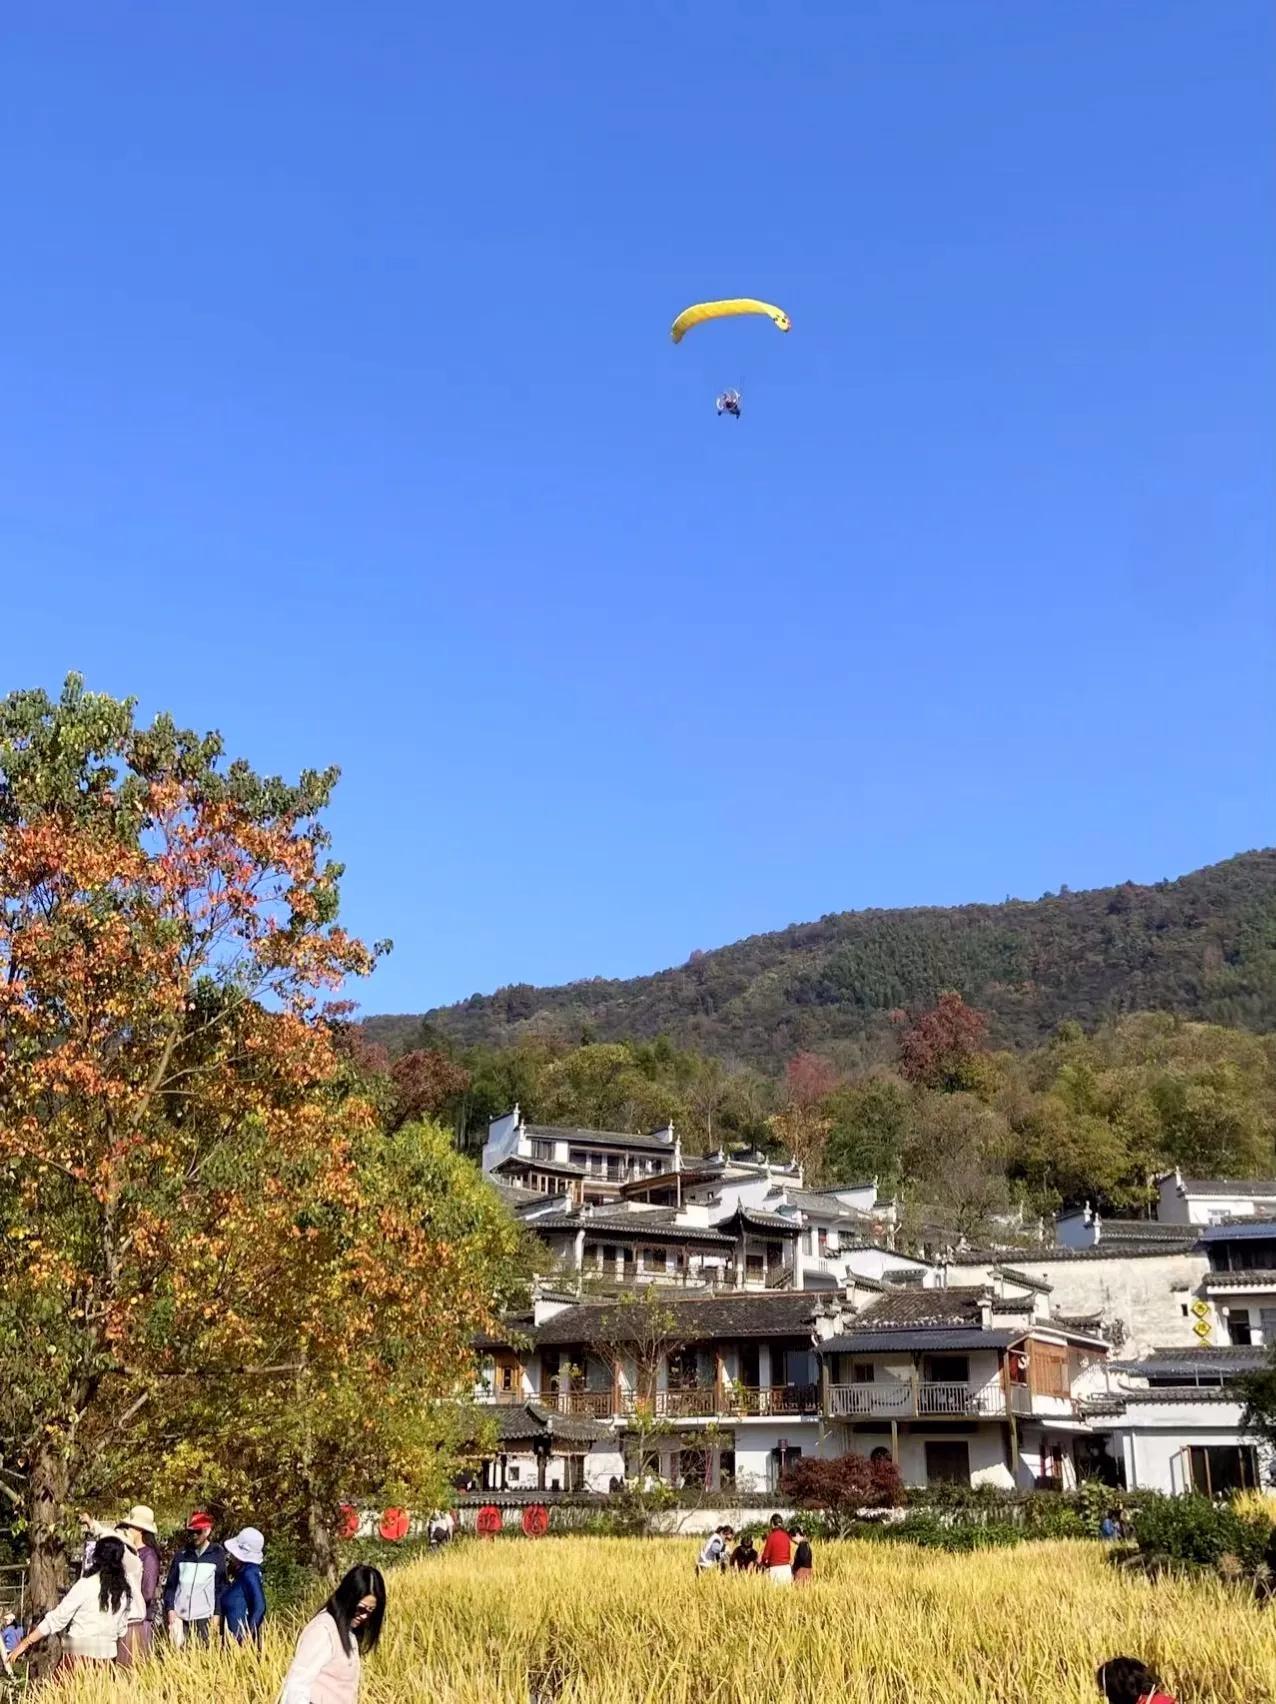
93	1616
325	1668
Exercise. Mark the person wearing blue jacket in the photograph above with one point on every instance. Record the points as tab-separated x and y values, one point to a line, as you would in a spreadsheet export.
244	1600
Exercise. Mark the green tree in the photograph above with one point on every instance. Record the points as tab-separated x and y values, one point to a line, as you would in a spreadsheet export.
602	1087
1258	1392
369	1348
956	1161
871	1119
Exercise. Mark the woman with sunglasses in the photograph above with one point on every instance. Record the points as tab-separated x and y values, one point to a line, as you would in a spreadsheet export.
325	1667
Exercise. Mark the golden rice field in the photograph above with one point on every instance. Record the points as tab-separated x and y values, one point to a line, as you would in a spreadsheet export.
624	1621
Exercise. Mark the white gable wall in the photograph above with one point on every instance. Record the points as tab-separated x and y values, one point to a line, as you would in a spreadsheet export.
1149	1294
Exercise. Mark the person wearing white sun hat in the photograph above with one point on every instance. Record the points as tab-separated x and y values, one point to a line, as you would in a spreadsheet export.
244	1600
141	1569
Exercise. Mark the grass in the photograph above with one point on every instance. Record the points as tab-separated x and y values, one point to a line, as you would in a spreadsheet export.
623	1621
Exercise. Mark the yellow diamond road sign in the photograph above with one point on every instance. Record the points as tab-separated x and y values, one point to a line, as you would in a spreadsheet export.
1202	1328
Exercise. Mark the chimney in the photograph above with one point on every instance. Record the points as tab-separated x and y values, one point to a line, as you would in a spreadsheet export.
985	1311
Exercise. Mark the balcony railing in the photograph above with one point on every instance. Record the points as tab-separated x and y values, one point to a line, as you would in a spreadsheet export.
905	1399
734	1401
894	1399
691	1402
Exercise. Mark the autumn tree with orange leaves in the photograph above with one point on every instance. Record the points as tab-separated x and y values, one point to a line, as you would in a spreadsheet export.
211	1253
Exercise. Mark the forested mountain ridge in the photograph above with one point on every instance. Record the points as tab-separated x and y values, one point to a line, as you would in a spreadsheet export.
1202	946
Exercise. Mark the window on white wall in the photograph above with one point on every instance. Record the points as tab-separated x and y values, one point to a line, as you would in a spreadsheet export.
1238	1326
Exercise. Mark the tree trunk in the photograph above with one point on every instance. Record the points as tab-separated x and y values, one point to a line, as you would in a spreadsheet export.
46	1507
320	1543
320	1540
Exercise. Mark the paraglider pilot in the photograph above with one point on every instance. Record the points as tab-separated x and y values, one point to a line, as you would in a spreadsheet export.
729	403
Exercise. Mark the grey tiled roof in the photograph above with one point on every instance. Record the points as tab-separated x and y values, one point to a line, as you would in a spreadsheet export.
785	1313
655	1142
1017	1277
529	1420
919	1339
1176	1393
1189	1360
1140	1231
563	1168
814	1201
757	1220
514	1195
1257	1278
648	1227
1240	1230
956	1305
1080	1322
691	1178
1240	1186
1052	1252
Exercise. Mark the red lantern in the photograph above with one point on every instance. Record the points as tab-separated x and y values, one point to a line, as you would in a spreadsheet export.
394	1525
487	1523
348	1524
536	1520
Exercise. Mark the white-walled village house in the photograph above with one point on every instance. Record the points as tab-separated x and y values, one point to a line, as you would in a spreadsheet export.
801	1329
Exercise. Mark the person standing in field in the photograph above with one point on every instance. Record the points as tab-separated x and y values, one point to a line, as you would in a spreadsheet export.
744	1556
327	1662
803	1563
93	1616
142	1570
776	1560
196	1580
1125	1680
244	1599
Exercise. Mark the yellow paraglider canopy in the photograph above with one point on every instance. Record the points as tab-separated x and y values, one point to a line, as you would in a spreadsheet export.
724	310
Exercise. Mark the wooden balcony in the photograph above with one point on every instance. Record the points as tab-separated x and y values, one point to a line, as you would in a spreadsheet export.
737	1402
926	1399
690	1402
585	1404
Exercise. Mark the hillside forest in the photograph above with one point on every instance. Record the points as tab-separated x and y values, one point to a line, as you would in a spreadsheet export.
960	1129
1202	946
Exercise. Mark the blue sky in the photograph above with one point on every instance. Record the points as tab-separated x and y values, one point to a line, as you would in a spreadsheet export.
339	413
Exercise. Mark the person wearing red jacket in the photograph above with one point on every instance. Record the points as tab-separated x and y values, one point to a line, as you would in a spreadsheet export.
776	1560
1125	1680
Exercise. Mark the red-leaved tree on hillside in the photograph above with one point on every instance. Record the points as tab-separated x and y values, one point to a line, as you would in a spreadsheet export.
802	1124
938	1046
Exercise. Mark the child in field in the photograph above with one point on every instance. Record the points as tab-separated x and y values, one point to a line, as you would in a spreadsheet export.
1125	1680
